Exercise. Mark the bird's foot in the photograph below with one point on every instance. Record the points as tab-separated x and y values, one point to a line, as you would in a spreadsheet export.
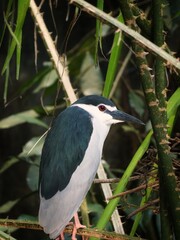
76	226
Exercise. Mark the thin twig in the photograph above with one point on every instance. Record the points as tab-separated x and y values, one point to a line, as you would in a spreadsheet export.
144	186
116	180
144	207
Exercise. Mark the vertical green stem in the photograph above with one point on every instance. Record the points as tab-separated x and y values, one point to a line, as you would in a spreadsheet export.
160	88
84	213
113	61
100	5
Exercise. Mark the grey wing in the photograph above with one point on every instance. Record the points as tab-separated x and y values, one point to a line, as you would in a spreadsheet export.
61	196
63	150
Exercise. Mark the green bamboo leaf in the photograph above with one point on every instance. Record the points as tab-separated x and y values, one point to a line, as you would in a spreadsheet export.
29	116
7	14
113	61
5	236
6	85
32	148
173	103
48	80
37	79
8	164
33	175
91	79
100	6
18	55
11	31
22	10
8	206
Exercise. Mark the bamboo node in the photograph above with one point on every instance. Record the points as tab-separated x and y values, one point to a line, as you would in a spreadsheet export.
167	136
160	126
152	76
142	54
145	67
164	142
153	104
163	109
164	91
171	174
167	151
149	90
131	22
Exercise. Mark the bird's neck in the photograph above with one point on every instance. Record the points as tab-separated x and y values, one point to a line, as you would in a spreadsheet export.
101	130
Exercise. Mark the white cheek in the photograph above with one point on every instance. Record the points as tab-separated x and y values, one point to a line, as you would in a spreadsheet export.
102	117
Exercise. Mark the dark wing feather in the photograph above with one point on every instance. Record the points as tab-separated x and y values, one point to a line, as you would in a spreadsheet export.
64	149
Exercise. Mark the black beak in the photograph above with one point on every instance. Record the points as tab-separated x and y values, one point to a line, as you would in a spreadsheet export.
124	117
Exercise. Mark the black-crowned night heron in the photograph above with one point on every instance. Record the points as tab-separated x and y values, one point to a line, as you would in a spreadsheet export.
70	158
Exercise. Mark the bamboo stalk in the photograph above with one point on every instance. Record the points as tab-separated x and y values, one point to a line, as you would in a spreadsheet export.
160	89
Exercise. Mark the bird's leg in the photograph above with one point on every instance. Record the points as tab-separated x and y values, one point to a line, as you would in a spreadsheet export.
76	226
77	222
61	236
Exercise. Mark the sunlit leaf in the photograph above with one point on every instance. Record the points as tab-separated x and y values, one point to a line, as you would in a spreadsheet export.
76	58
29	83
29	116
32	177
33	147
8	164
6	207
90	77
27	217
5	236
48	80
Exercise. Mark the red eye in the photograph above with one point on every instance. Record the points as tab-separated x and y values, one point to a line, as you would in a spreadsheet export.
102	108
